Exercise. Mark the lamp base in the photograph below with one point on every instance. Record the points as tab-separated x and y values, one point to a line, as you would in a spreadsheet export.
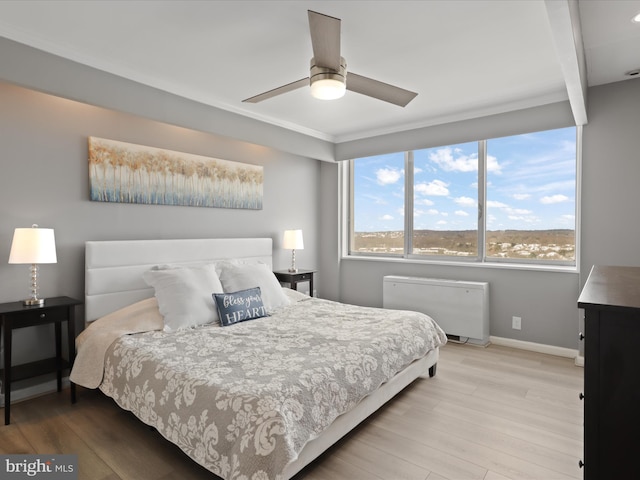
293	268
34	301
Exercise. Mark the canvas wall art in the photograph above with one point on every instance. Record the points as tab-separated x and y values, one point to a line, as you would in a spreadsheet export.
128	173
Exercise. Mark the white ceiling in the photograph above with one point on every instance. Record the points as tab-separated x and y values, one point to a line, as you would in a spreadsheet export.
465	58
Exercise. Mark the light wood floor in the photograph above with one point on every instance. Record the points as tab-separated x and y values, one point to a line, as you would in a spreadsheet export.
489	414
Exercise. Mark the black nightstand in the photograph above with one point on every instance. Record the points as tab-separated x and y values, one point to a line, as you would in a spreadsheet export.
293	278
16	315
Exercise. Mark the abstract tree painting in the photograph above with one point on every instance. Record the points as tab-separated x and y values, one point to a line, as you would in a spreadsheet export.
128	173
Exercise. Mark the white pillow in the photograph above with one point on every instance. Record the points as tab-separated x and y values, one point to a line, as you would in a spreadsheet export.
185	295
294	296
235	277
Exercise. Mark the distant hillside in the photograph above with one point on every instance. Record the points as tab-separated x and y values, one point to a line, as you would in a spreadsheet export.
542	244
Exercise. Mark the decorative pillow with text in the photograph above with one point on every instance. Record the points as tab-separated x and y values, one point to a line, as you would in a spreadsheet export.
239	306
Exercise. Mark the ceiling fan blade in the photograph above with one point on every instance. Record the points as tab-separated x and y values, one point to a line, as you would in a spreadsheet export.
380	90
304	82
325	40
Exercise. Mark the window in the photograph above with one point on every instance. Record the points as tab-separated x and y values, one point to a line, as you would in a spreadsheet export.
378	206
445	201
508	199
531	196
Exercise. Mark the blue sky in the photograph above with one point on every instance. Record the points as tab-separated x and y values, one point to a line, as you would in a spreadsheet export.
530	185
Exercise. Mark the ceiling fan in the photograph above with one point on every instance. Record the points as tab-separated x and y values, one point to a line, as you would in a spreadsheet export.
328	77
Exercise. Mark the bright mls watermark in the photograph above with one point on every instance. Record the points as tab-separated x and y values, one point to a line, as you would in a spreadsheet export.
50	467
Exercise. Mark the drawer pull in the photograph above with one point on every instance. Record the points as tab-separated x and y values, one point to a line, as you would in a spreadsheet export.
581	336
580	463
42	315
581	396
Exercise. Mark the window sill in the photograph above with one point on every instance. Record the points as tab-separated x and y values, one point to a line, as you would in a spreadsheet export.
491	265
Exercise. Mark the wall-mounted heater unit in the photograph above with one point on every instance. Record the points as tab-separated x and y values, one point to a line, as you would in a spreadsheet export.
460	308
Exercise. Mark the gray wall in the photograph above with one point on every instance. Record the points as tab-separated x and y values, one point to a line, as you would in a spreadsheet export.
329	227
37	70
44	180
545	117
611	177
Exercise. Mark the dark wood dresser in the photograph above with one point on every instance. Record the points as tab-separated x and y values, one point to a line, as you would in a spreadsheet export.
611	302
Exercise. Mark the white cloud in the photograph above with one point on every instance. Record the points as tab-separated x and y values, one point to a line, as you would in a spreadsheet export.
431	211
514	213
521	196
554	199
436	187
423	201
386	217
444	158
388	176
465	201
461	213
518	211
493	165
453	160
494	204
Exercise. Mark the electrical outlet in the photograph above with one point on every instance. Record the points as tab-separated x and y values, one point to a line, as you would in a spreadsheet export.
516	323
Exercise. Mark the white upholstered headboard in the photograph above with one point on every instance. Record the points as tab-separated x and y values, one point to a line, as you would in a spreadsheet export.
113	269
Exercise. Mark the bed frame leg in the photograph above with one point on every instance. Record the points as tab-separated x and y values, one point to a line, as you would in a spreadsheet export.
432	370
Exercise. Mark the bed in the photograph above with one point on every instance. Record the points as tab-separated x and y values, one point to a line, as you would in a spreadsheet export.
254	400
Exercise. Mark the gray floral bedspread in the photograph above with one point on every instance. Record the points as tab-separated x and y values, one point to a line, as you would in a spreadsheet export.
243	400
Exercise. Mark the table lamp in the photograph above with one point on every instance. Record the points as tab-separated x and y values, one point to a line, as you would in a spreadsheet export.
293	240
33	246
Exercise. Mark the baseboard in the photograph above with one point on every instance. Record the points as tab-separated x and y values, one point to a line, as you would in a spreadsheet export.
21	394
539	348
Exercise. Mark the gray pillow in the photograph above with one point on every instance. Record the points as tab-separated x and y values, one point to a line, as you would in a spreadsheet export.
235	307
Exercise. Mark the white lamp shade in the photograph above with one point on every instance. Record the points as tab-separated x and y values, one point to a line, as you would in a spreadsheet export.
293	240
33	245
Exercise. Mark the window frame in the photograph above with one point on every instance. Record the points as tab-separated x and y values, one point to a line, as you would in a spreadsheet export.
347	179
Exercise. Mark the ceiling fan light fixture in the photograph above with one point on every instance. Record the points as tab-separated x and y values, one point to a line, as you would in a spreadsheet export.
328	84
328	88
